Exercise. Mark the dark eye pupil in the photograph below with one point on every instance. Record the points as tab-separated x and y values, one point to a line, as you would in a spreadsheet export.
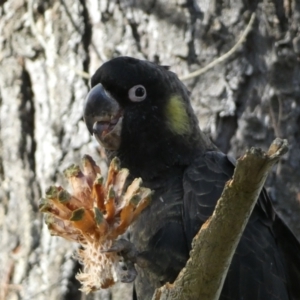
139	92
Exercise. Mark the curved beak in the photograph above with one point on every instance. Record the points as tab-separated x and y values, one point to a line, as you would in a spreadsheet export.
103	117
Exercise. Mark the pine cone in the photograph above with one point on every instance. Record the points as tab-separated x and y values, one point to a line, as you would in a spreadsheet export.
94	215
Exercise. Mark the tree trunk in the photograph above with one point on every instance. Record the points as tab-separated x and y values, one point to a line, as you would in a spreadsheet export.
46	50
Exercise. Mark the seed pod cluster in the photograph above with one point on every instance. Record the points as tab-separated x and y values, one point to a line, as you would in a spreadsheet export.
94	215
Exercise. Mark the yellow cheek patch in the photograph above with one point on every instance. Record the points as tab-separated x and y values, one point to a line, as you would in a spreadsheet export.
177	117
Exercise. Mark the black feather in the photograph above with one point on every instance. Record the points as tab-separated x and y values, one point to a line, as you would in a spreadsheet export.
188	174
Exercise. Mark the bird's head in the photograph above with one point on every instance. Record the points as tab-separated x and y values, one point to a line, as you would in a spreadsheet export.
141	112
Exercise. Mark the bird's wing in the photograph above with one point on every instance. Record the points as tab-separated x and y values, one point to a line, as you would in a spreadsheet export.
203	183
258	269
290	248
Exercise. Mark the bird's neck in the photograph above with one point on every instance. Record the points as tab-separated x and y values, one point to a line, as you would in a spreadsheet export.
159	153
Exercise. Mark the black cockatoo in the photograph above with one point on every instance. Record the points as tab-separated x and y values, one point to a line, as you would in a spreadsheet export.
141	112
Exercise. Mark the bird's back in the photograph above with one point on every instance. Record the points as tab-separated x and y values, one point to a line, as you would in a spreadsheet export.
261	267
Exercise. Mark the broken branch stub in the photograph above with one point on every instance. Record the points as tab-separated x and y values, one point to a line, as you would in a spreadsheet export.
214	245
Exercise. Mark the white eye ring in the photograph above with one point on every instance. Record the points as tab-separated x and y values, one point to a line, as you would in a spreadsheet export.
137	93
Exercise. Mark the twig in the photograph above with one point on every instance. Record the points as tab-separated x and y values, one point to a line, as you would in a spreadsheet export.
224	56
214	245
86	75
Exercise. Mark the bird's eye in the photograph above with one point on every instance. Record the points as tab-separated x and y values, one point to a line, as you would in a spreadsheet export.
137	93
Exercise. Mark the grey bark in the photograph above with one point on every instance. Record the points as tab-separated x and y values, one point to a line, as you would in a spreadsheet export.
44	48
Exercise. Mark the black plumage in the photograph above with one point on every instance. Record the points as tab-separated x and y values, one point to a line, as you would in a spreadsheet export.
157	138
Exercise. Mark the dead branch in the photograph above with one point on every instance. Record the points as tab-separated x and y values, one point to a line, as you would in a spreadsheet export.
215	244
223	57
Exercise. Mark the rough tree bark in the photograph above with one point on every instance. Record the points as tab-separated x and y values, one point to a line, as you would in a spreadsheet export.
45	46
